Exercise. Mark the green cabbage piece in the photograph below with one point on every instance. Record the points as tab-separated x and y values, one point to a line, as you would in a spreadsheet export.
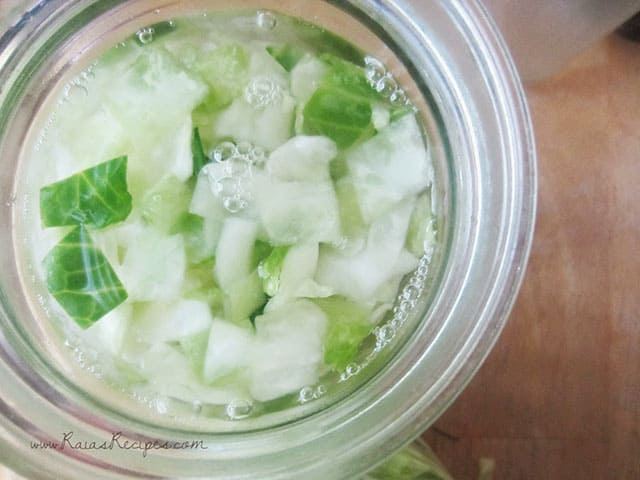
194	348
421	229
192	229
81	279
348	325
270	270
351	220
261	251
200	285
415	462
226	71
322	40
349	78
243	298
164	204
96	197
200	159
286	55
341	107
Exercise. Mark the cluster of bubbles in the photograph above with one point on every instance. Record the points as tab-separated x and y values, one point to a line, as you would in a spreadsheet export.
91	361
382	81
147	35
405	302
230	182
87	358
309	393
262	92
157	403
78	84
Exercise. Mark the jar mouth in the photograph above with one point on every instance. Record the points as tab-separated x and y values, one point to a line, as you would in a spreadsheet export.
487	172
178	416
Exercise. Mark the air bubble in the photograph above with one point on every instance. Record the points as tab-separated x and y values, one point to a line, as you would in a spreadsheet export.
398	97
196	406
262	272
306	395
239	409
233	204
320	391
405	305
386	86
411	294
224	152
215	185
262	92
418	280
428	253
74	87
87	75
422	271
146	35
244	149
266	20
400	314
386	333
400	308
374	69
352	369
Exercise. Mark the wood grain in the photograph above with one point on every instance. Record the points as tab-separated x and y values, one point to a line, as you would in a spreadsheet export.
559	397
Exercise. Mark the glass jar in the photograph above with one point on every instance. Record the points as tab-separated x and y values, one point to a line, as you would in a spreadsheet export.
458	73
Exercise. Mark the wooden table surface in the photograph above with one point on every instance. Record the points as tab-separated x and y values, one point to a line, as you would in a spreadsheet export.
559	396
